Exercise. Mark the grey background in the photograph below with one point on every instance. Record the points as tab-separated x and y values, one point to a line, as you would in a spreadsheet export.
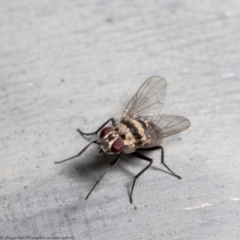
70	64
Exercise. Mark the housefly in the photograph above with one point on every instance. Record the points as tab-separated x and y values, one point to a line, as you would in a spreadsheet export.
141	128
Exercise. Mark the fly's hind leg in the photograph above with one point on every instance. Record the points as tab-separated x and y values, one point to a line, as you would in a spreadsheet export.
165	165
93	133
162	158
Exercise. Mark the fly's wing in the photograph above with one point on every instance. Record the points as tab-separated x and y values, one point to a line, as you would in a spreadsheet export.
146	105
149	100
167	125
170	124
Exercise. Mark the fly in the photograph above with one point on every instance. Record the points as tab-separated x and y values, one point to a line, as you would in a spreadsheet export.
141	128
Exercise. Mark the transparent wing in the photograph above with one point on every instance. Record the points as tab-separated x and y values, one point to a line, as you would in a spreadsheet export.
146	105
149	100
170	124
167	125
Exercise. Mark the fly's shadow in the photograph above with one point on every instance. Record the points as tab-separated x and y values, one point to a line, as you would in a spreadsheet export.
87	167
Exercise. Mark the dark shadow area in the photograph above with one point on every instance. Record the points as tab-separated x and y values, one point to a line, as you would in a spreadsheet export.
91	165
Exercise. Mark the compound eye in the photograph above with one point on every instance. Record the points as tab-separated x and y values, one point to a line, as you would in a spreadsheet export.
117	145
105	131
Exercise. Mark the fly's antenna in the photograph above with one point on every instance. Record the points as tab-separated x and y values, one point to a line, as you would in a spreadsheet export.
79	154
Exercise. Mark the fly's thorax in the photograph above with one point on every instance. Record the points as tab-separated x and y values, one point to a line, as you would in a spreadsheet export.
128	138
137	127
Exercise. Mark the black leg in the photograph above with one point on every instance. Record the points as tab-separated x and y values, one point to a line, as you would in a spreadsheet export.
88	134
79	154
140	173
162	158
149	149
163	163
112	164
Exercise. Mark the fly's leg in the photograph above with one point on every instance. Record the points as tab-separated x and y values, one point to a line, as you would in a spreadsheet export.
112	164
141	172
93	133
163	163
162	158
149	149
79	154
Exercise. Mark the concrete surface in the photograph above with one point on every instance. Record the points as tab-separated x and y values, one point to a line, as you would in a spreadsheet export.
70	64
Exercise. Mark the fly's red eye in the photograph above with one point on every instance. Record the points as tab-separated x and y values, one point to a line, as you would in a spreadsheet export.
117	145
105	131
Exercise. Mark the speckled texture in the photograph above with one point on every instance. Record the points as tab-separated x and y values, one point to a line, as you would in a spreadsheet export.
70	64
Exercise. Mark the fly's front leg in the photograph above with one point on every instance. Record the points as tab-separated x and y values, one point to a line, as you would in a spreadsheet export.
141	172
80	153
93	133
112	164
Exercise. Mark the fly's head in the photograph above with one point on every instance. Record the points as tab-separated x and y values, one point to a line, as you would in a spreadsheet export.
110	141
